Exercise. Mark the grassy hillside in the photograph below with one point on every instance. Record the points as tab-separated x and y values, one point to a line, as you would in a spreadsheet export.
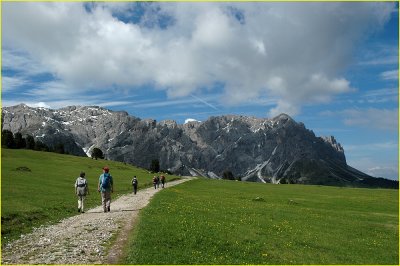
38	187
228	222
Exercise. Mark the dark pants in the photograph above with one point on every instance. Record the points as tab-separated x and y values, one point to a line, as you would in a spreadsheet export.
134	189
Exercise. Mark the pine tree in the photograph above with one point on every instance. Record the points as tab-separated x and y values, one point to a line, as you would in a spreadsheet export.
97	153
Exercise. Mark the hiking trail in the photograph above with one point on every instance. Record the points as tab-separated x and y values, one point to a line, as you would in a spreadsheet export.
84	238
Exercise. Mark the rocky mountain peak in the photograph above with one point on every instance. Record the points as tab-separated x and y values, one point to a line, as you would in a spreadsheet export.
277	150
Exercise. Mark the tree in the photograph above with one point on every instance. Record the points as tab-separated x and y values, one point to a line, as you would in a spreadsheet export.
40	146
59	148
155	166
97	153
30	142
228	175
7	139
20	142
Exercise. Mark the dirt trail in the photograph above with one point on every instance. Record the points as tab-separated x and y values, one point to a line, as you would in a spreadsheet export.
81	239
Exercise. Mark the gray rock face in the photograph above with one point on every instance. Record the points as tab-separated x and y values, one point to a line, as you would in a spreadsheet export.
277	150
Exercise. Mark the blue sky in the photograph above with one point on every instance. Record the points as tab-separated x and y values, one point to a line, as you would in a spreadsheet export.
332	66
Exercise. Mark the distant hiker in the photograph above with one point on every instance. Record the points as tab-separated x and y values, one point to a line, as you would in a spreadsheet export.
162	180
81	190
155	182
158	181
134	184
106	187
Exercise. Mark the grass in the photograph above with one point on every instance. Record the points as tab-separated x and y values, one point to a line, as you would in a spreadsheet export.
228	222
37	188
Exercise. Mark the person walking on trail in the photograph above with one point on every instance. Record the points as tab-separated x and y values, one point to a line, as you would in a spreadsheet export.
81	190
162	180
158	181
106	187
155	182
134	184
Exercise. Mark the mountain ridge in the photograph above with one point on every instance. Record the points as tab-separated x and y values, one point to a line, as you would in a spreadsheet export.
276	150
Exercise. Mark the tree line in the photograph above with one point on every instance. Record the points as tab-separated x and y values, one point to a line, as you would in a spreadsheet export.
17	141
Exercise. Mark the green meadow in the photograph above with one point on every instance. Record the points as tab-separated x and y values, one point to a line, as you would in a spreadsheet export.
210	221
37	188
230	222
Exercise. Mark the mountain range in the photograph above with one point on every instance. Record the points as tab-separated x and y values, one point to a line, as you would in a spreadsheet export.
278	150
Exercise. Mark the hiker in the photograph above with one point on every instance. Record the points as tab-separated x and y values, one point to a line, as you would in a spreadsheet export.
81	190
134	184
106	187
155	182
158	181
162	180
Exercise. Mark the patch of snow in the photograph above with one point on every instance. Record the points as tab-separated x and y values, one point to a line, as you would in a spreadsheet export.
42	136
273	152
88	150
213	175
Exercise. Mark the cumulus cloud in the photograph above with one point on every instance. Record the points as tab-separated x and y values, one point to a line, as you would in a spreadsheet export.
191	120
292	52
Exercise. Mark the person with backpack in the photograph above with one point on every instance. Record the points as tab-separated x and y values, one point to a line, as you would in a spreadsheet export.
158	181
134	184
155	182
162	180
106	187
81	190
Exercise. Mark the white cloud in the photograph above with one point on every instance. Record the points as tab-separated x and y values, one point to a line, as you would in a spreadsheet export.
191	120
390	75
381	95
292	52
364	157
380	55
370	165
12	83
374	147
385	119
39	104
384	171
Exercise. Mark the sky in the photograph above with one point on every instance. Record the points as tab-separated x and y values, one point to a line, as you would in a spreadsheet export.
333	66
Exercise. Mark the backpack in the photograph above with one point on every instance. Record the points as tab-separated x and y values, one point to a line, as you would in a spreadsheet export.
81	186
105	182
134	182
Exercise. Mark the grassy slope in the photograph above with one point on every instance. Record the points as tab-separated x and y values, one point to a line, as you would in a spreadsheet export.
227	222
46	194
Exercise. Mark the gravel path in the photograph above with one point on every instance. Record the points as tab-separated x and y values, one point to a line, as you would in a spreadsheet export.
82	239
